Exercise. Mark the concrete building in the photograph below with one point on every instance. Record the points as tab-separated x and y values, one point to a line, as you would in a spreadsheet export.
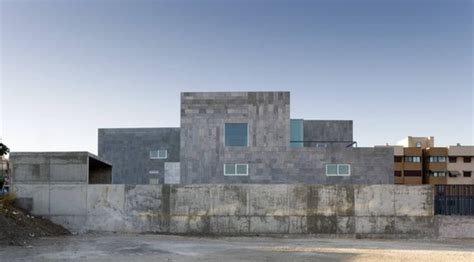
60	167
243	137
461	165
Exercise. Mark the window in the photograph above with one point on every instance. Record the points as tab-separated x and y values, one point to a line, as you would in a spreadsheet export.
338	170
398	173
153	172
236	134
158	154
418	144
412	173
452	159
466	174
467	159
437	159
412	159
397	159
296	133
321	145
236	169
438	173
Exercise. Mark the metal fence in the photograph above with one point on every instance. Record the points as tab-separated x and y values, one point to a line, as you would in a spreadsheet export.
454	200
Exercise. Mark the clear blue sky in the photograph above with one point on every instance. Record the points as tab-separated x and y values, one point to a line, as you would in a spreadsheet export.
397	68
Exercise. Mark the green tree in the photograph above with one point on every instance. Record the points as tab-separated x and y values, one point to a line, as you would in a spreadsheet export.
4	149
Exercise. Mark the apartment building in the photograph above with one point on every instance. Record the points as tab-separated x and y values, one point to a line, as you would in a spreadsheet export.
418	161
435	165
460	165
243	137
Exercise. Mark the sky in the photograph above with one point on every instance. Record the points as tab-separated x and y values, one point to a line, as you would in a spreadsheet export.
397	68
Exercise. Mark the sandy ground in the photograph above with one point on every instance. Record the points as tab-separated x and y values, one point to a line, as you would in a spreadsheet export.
131	247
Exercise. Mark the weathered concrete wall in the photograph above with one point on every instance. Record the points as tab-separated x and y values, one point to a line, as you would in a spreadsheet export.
364	211
55	167
128	149
455	226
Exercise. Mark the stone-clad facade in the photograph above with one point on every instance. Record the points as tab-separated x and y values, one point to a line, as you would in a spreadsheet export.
268	155
128	149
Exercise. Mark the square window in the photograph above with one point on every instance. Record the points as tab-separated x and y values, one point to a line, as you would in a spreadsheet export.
229	169
236	134
331	170
467	159
397	159
467	173
343	170
452	159
242	169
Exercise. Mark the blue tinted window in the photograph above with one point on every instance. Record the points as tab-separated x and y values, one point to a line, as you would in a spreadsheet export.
236	134
296	132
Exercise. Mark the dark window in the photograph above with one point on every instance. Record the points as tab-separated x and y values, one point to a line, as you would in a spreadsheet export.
467	159
398	159
236	134
398	173
467	173
452	159
412	173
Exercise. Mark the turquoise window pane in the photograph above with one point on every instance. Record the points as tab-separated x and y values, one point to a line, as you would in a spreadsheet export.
229	169
241	169
236	134
331	169
343	169
296	132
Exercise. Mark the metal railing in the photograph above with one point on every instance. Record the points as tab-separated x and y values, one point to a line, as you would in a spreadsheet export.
457	200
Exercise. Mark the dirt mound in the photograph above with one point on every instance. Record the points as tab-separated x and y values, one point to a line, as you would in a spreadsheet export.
18	227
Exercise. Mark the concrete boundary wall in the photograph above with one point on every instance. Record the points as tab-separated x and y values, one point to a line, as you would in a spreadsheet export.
345	210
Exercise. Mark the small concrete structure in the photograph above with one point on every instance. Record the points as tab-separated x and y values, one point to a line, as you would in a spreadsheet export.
54	182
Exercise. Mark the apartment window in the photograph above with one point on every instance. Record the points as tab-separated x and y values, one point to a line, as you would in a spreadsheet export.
466	174
236	169
398	173
321	145
437	159
452	159
412	159
438	173
236	134
411	173
397	159
418	144
338	170
467	159
158	154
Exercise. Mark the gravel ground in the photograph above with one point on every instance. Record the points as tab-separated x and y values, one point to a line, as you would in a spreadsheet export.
131	247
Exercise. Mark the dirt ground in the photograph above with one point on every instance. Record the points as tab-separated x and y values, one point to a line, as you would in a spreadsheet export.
18	227
130	247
